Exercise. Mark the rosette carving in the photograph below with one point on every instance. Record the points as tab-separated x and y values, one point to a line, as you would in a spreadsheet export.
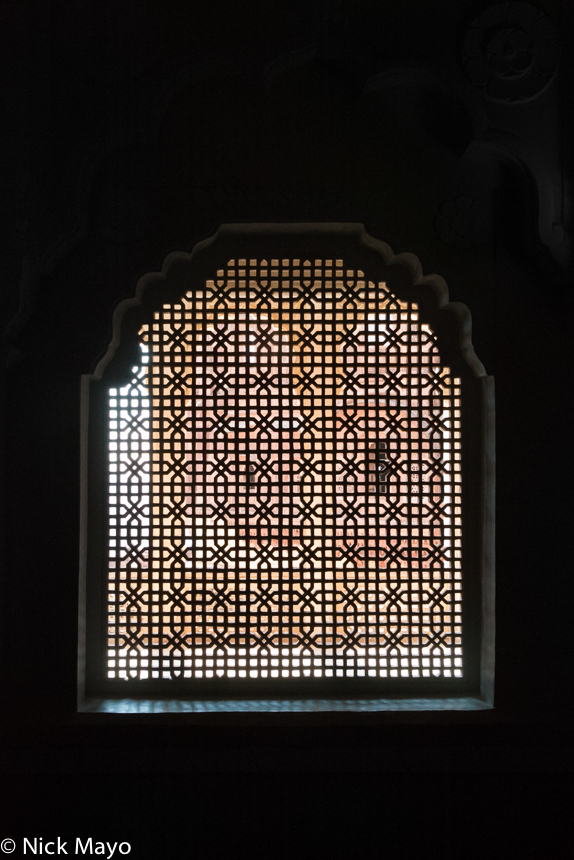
511	52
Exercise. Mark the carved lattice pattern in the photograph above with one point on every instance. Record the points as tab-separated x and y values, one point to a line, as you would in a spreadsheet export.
303	517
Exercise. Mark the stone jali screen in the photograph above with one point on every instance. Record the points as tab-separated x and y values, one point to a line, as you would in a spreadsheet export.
285	485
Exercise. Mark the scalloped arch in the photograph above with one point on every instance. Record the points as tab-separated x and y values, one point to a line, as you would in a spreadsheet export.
340	458
180	265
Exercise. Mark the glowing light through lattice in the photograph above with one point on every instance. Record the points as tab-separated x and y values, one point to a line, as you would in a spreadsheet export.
302	459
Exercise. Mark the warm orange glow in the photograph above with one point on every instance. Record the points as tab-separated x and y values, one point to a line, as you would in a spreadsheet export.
304	480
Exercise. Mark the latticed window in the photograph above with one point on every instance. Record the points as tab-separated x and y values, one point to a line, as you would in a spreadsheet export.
292	480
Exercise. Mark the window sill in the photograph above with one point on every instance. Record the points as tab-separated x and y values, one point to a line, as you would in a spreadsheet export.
210	706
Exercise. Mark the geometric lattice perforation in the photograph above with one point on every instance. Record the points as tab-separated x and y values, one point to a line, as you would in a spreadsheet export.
285	485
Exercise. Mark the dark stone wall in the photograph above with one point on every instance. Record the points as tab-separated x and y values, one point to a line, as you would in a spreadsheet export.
134	129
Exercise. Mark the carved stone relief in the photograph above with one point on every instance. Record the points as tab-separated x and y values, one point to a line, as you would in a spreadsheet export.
511	52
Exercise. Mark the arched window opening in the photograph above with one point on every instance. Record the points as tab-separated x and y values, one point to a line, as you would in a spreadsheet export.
286	505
